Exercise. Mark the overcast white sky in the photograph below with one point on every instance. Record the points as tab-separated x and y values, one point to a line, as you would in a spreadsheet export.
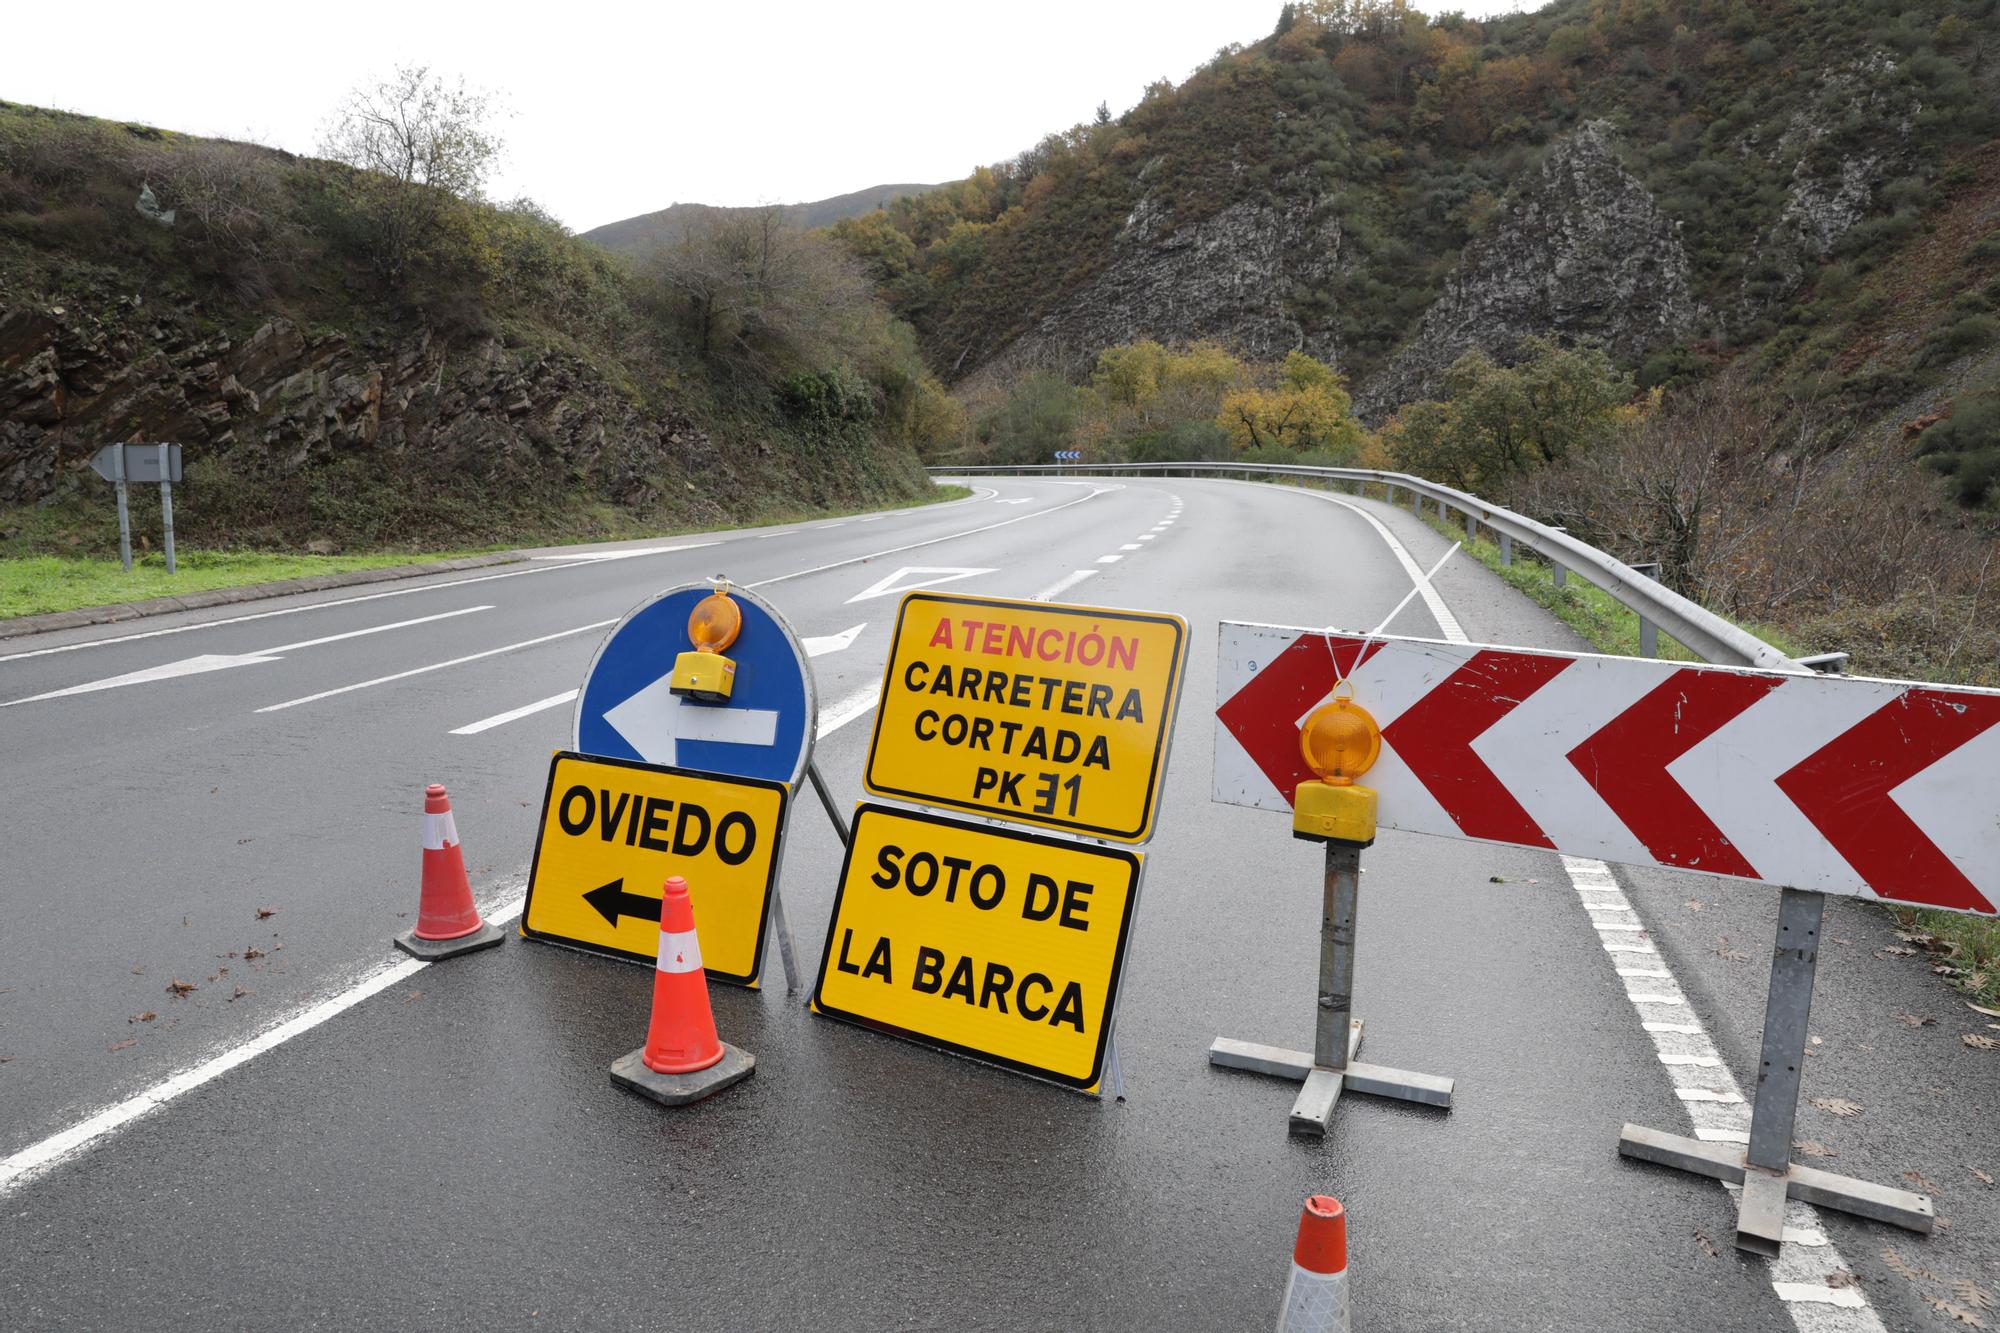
620	109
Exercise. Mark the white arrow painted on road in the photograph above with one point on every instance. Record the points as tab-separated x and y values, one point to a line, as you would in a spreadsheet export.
195	666
655	720
916	576
833	643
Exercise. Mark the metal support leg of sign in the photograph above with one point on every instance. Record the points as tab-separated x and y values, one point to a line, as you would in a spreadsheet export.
826	799
124	512
1331	1067
782	928
1765	1169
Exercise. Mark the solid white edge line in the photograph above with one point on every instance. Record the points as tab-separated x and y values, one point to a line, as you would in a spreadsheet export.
435	666
37	1158
515	714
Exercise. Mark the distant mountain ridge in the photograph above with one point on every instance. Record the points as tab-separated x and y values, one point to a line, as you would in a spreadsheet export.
636	235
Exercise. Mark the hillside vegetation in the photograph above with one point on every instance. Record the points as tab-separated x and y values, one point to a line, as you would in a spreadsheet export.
356	355
639	236
1709	282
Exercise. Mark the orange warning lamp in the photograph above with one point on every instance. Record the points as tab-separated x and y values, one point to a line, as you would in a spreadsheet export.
703	674
1340	742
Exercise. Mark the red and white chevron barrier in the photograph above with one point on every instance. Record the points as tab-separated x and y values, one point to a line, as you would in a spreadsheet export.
1870	788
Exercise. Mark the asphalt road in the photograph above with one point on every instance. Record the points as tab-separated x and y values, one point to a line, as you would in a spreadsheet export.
449	1153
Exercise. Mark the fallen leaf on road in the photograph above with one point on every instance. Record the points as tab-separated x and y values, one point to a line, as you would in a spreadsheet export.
1917	1178
146	1017
1990	1013
1812	1148
1957	1312
1897	950
252	954
264	913
1496	879
1694	904
1979	1042
1839	1106
1974	1295
1816	1041
240	993
138	971
1941	1223
1707	1245
1722	950
1911	1020
121	1045
178	988
411	996
1842	1279
1981	1174
1903	1268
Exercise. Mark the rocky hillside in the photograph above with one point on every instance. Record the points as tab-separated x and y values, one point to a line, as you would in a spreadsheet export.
509	382
1815	183
638	235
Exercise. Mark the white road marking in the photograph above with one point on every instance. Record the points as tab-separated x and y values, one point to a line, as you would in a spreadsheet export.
916	576
1146	536
1085	498
1063	585
1022	501
516	714
195	666
833	643
600	557
766	536
1818	1293
40	1157
296	610
1109	559
436	666
1129	546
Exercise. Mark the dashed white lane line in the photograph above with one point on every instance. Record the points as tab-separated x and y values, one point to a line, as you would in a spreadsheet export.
1129	546
1148	536
1063	585
37	1159
1111	559
1808	1263
436	666
516	714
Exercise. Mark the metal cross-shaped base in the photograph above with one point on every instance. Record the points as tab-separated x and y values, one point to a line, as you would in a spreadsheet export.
1332	1067
1765	1168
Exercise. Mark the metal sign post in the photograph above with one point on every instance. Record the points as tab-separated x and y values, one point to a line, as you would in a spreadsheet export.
1332	1067
166	507
124	510
1765	1169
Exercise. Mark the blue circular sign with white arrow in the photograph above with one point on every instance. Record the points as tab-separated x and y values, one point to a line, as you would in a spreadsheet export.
764	730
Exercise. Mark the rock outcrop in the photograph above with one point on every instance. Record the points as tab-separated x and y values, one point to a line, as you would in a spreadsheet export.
1582	252
1226	278
282	399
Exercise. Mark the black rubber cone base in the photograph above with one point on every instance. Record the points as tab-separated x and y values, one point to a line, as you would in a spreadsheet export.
432	951
629	1071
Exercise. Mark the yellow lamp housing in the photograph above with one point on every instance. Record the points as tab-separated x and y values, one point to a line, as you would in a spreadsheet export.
1322	812
702	674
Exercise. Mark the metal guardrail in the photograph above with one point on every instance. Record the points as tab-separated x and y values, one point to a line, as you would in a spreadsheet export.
1658	607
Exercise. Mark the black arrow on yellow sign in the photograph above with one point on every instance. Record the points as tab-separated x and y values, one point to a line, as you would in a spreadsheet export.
612	902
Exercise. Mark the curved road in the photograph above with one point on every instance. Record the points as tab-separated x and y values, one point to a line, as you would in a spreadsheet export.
230	800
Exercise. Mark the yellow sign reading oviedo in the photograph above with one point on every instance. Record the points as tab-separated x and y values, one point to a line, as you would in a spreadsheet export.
1002	945
612	832
1031	712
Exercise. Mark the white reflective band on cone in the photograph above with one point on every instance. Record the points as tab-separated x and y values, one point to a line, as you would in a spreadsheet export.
680	951
1314	1302
439	832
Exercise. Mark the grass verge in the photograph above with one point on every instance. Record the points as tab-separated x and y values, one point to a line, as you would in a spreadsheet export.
1964	950
35	584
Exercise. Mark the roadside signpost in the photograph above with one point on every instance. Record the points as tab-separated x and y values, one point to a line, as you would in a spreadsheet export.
988	942
1068	455
751	714
124	464
1052	715
1881	790
614	830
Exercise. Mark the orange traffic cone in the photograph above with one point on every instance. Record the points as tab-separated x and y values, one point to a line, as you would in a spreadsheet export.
683	1060
447	922
1316	1295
